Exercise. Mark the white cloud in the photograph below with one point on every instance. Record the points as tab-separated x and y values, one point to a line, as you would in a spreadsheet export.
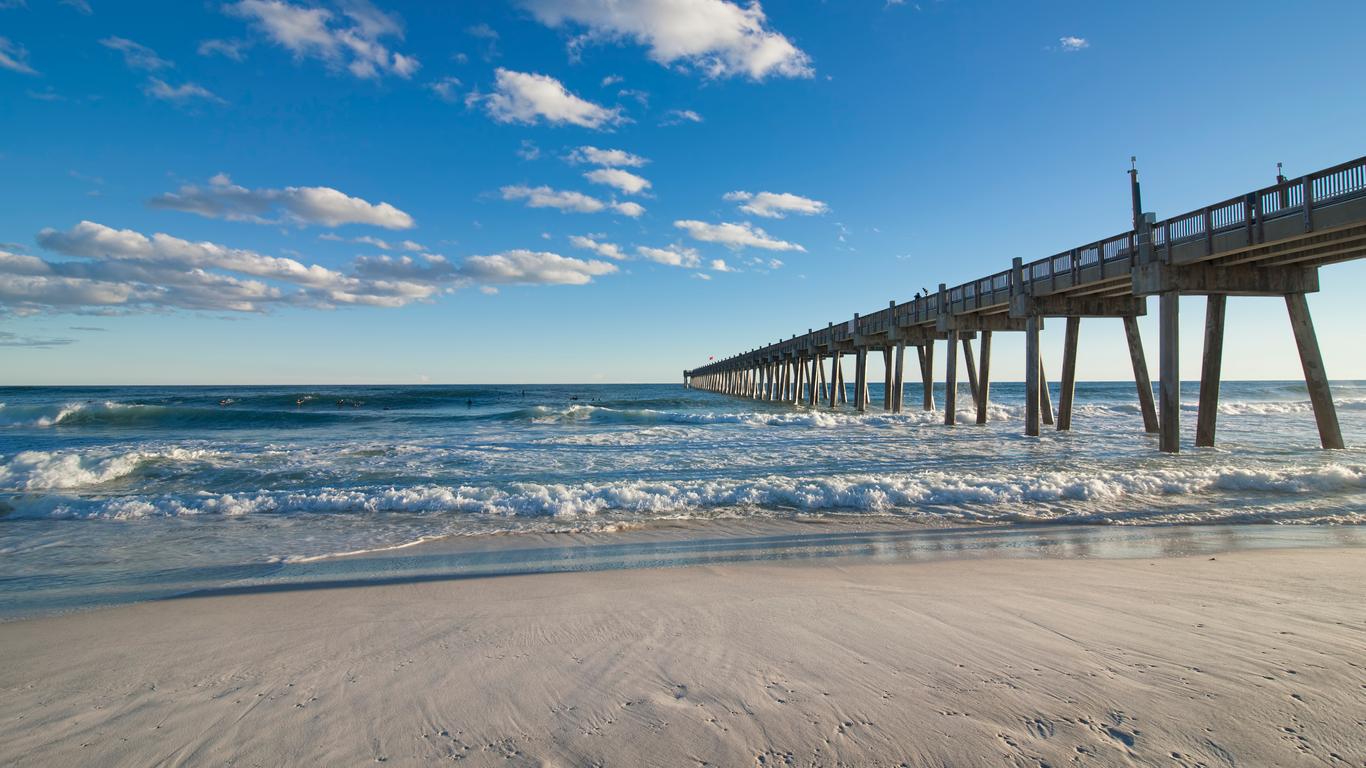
14	57
720	265
123	270
412	245
776	205
180	94
136	55
679	116
1070	43
606	157
612	80
701	275
545	197
671	255
731	235
521	97
567	201
533	267
609	250
375	241
110	271
528	150
489	36
445	88
228	49
352	40
324	206
625	181
716	37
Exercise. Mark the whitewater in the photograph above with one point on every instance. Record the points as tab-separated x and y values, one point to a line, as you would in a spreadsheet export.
114	493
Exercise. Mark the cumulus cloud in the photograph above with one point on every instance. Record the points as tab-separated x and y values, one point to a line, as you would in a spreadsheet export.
732	235
445	88
533	267
545	197
720	265
528	150
228	49
179	94
715	37
634	210
375	241
1071	43
609	250
353	39
222	199
611	158
521	97
136	55
14	57
680	116
113	271
776	205
567	201
625	181
671	255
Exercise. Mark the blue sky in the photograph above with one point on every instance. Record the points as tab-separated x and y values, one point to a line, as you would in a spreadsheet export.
584	190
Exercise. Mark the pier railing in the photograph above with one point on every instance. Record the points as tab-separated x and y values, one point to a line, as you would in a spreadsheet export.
1108	259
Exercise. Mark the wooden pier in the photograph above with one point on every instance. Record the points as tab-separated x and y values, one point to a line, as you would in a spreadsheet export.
1269	242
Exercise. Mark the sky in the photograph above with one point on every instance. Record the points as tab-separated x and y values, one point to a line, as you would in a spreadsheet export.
523	191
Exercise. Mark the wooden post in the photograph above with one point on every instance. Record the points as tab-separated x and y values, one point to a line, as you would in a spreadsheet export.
818	390
951	381
984	382
1210	368
898	380
972	368
865	381
836	377
1032	376
1069	373
1170	372
1141	380
1315	377
861	379
927	374
887	379
844	387
1045	395
814	376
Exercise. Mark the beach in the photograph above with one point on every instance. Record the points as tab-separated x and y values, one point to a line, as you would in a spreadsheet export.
1205	656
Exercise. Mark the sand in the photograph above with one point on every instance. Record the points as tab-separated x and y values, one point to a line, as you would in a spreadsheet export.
1244	658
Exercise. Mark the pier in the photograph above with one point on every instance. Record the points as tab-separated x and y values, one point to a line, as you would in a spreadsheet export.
1268	242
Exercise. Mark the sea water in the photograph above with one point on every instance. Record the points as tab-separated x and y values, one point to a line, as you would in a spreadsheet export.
116	494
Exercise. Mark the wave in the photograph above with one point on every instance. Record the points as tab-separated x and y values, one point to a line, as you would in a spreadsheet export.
111	414
56	470
987	497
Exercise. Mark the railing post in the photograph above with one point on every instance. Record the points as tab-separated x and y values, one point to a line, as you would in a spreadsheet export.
1308	203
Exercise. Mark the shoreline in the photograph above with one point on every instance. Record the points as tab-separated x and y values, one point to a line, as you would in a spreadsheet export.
1247	656
686	543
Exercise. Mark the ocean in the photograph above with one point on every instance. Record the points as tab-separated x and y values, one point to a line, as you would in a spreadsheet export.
115	494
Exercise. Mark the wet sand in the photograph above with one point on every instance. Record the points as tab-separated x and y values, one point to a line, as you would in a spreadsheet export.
1253	657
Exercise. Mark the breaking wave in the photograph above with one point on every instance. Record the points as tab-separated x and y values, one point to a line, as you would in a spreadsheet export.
1034	497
